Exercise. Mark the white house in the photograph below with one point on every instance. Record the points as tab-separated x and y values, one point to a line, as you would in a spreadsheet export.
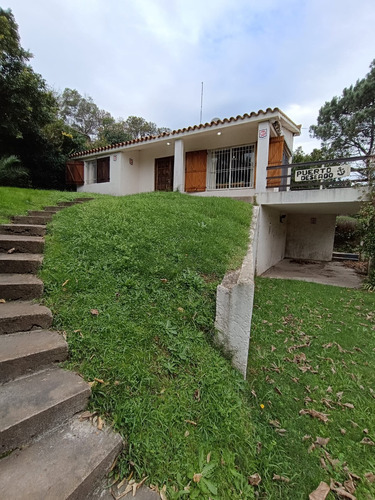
234	157
222	158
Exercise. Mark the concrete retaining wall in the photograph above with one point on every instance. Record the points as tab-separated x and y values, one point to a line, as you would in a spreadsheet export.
234	304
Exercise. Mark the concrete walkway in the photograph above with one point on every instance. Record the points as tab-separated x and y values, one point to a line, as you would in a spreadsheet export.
327	273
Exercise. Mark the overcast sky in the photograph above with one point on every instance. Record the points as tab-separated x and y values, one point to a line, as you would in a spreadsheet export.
149	57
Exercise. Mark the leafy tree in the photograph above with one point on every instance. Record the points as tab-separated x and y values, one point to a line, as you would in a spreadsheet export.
26	103
112	132
12	173
138	127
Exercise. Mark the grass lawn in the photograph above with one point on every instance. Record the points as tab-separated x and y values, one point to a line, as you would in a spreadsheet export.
312	348
132	281
17	201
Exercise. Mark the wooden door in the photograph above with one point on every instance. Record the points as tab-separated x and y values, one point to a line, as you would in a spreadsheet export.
275	157
195	171
164	173
74	173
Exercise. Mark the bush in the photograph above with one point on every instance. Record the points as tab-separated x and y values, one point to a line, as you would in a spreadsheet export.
347	235
12	173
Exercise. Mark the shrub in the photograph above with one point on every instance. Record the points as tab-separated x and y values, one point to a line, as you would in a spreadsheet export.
347	235
12	173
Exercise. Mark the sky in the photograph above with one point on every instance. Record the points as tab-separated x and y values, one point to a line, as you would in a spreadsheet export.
149	57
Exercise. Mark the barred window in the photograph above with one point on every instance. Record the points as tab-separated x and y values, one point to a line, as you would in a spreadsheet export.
98	170
231	167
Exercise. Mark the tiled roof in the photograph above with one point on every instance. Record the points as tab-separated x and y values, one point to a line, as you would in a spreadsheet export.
213	123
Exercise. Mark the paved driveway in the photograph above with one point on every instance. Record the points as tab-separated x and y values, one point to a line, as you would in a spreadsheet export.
327	273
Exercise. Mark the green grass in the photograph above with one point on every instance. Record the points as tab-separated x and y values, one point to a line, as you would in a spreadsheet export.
149	264
338	326
17	201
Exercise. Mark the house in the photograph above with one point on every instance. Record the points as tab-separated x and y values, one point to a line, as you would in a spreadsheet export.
247	158
221	158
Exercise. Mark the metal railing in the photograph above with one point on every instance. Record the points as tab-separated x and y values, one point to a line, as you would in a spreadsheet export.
324	174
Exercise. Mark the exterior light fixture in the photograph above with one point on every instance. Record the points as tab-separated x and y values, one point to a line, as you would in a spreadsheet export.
168	143
219	133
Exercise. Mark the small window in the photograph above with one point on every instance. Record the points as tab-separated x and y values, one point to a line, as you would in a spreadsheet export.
97	171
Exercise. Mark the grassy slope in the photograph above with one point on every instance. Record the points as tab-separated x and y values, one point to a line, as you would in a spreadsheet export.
289	314
150	265
16	201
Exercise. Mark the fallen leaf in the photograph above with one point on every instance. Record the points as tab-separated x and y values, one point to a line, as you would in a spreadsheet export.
259	447
191	422
273	348
197	478
315	414
254	393
163	491
181	309
187	433
94	312
2	301
274	423
11	250
311	448
208	458
100	424
339	395
255	479
306	437
370	476
163	280
354	424
329	389
367	440
321	492
349	485
323	463
197	395
281	431
65	282
86	415
322	441
341	492
278	391
101	381
348	405
343	431
295	379
276	477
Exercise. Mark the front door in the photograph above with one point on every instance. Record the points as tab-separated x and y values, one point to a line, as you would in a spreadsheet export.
164	173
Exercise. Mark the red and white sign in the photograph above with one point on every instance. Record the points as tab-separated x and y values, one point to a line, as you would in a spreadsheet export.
262	133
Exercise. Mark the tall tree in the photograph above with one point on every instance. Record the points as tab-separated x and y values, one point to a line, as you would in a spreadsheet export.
26	103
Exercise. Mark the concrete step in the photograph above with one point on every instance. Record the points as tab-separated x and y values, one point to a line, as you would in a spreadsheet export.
35	403
23	229
23	316
21	263
20	286
83	199
53	208
41	213
32	219
68	463
23	244
68	203
23	352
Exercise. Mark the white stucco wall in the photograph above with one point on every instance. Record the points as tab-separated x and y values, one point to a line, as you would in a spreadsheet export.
271	239
114	186
130	172
262	156
179	166
146	171
234	305
310	236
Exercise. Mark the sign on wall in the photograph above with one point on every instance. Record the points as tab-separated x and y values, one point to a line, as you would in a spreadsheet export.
321	173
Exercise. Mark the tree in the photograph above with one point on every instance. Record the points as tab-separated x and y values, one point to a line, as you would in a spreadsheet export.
138	127
26	103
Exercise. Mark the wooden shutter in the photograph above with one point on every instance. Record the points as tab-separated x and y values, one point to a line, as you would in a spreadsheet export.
103	169
195	171
275	157
74	173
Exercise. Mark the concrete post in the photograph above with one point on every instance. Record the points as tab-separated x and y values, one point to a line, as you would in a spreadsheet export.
179	166
262	156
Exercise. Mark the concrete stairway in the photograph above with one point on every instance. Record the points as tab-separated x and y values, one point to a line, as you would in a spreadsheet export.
46	450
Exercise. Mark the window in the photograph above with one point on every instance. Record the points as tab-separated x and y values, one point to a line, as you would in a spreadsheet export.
231	167
97	170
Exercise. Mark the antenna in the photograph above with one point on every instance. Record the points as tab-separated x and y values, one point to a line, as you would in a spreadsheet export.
200	121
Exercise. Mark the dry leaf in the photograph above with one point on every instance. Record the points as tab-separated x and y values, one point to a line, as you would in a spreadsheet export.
341	492
197	478
100	424
197	395
343	431
367	440
255	479
354	424
134	489
86	415
163	491
278	391
295	379
187	433
329	389
273	348
321	492
259	447
274	423
348	405
322	441
208	458
365	431
164	280
94	312
349	486
65	282
281	431
370	476
181	309
315	414
276	477
101	381
323	463
11	250
254	393
191	422
2	301
306	437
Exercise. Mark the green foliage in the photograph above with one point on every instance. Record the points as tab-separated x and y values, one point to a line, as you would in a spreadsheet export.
12	173
312	347
367	225
347	234
151	271
346	124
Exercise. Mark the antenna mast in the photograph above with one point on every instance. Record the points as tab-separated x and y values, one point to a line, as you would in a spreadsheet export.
200	121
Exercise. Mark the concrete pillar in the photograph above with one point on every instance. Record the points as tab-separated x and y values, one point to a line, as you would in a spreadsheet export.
179	166
262	156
